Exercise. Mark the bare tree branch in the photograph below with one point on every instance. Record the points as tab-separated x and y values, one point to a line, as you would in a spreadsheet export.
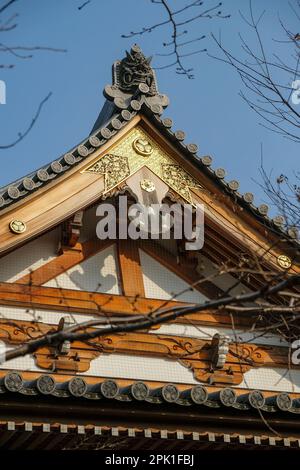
6	5
174	45
144	321
15	52
21	136
269	81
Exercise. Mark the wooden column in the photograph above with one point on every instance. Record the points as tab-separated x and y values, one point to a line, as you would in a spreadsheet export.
130	268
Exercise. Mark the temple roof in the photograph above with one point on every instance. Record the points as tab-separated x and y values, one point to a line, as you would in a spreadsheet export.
134	90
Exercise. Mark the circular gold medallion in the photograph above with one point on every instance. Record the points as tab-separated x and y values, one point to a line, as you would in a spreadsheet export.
147	185
17	226
142	147
284	261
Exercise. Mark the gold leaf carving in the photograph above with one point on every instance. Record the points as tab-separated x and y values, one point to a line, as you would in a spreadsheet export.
124	161
179	180
114	168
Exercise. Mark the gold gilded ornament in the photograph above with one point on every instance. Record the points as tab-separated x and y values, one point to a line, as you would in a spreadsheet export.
178	179
114	168
17	226
142	147
128	156
284	261
147	185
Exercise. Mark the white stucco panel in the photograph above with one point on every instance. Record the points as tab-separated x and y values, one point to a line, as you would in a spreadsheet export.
96	274
29	257
161	283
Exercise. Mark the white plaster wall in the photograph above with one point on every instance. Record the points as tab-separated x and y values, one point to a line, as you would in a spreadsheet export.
29	257
160	283
207	332
139	368
223	281
278	379
167	370
24	364
96	274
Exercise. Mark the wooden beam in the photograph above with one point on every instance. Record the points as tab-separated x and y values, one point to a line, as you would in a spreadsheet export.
69	257
90	303
130	268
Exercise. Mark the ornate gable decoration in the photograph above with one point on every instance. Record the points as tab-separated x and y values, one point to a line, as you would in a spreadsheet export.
138	150
114	168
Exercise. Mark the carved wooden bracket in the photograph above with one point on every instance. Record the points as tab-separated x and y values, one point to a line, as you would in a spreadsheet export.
214	362
78	359
71	229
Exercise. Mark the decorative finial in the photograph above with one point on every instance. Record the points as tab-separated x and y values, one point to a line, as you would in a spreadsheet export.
134	81
135	70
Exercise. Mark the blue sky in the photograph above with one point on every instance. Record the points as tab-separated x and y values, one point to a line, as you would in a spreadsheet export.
208	108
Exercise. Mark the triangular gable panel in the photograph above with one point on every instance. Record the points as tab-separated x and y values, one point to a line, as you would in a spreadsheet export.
104	173
139	150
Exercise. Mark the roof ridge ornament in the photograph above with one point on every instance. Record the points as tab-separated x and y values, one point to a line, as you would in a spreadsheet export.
134	79
134	70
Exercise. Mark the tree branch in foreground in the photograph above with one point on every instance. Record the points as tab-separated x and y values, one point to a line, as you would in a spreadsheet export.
174	19
143	321
21	136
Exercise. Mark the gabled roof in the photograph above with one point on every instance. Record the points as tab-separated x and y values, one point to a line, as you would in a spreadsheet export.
134	90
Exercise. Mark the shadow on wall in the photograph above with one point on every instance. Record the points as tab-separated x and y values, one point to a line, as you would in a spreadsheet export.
96	274
30	256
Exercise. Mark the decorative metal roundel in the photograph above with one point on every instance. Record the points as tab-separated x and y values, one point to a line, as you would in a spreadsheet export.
17	226
284	261
147	185
142	147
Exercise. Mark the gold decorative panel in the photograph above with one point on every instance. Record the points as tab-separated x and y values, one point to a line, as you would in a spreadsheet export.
178	179
114	168
126	158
